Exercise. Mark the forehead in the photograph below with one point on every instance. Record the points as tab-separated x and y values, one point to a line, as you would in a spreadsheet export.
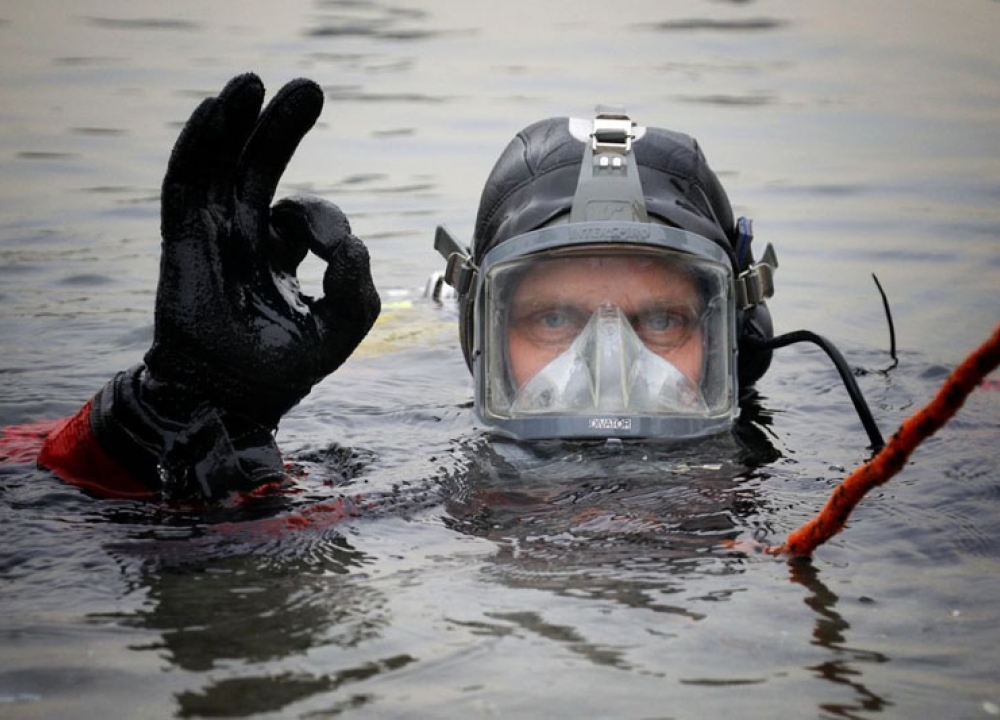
597	279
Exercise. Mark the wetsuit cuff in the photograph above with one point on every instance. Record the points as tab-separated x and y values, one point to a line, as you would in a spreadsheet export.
180	444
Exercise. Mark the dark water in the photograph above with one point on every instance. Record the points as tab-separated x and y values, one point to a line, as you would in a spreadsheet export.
862	137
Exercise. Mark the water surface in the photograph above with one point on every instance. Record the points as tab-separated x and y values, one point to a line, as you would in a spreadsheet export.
861	137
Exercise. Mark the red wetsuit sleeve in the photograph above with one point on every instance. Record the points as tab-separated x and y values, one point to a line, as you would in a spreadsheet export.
71	451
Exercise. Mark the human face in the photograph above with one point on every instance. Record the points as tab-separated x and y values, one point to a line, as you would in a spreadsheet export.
556	298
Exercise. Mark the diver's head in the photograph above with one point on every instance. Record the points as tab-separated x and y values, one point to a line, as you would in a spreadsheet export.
605	294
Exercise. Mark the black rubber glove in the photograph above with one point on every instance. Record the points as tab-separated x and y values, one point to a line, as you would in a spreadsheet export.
236	343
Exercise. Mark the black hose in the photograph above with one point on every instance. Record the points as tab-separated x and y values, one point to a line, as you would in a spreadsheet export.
888	318
864	413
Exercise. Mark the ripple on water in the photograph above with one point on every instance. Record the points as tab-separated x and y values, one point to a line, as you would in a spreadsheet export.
87	280
142	24
758	24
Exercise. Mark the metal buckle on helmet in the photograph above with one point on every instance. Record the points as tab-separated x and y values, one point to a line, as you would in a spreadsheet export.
756	283
612	131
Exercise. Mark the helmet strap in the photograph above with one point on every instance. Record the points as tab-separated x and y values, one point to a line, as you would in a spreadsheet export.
609	188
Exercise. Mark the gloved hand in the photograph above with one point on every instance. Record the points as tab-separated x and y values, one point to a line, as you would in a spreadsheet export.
231	321
236	342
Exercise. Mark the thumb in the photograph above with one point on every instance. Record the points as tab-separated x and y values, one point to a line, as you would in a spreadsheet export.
350	303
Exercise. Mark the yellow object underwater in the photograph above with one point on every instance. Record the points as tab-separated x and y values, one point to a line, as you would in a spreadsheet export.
404	324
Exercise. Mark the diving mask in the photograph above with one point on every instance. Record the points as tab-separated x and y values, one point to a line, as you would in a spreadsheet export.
577	337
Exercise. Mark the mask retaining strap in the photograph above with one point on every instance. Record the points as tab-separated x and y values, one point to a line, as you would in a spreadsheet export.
756	284
460	271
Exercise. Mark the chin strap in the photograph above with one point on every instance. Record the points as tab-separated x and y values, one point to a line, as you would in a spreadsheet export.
846	376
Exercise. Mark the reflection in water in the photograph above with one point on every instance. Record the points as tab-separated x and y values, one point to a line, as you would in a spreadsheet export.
848	663
235	612
566	636
627	524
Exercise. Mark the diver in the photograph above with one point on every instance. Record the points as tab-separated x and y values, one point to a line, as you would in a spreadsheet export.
609	288
609	295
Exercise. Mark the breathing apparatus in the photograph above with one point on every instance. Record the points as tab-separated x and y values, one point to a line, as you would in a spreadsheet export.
595	240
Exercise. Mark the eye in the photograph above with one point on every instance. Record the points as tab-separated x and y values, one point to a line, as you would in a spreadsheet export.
665	326
555	325
659	321
554	320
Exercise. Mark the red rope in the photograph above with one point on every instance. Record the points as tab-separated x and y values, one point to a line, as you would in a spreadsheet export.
914	430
